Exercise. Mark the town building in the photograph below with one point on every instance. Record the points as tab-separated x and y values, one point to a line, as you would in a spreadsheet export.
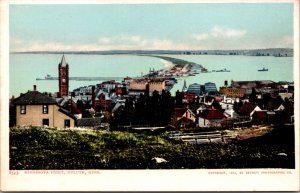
210	88
189	97
198	89
210	117
107	86
37	109
102	101
184	117
232	92
63	77
263	86
140	85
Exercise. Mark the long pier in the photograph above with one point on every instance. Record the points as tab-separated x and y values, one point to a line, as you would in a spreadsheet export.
98	78
84	78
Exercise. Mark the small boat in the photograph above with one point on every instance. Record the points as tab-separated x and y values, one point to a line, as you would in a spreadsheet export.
263	69
48	76
224	70
203	70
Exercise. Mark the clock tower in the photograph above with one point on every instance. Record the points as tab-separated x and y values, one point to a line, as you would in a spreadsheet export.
63	77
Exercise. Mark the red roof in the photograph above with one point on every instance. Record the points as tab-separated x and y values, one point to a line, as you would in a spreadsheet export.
260	114
71	106
180	111
247	108
219	98
211	114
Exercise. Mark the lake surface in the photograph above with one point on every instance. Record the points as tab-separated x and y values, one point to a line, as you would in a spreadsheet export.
25	68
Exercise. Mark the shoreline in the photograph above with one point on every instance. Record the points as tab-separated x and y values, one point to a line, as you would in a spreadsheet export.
177	67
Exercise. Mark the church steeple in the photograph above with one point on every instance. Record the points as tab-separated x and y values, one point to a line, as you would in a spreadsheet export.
184	88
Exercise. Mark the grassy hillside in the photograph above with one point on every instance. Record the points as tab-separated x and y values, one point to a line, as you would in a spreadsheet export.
42	148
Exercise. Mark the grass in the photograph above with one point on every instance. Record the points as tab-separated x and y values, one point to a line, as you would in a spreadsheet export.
46	148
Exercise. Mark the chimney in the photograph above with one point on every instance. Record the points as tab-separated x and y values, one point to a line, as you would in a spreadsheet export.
34	87
12	99
226	83
93	97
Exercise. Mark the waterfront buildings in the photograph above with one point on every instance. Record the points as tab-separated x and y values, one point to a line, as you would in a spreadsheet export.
232	92
210	87
197	89
264	86
111	98
147	85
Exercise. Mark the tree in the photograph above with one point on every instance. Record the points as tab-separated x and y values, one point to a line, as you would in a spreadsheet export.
178	99
252	96
216	105
237	105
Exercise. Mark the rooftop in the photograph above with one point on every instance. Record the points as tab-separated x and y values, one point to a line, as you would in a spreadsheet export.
211	114
34	98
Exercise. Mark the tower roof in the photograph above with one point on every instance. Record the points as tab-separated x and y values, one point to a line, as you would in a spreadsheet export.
63	61
184	88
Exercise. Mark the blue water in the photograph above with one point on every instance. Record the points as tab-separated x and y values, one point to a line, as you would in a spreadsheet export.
25	68
241	68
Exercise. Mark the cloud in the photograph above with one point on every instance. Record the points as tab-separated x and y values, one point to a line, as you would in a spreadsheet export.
201	36
104	40
221	33
286	42
227	32
122	42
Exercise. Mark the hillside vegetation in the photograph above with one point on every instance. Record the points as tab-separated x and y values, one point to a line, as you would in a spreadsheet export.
46	148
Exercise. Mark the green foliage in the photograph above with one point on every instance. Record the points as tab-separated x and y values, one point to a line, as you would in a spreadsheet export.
46	148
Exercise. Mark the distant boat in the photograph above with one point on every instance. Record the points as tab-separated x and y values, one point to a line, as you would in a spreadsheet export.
49	77
263	69
204	70
223	70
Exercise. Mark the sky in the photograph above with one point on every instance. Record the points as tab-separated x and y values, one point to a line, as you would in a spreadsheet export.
197	26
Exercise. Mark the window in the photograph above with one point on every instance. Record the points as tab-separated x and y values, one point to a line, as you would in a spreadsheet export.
23	109
67	123
45	109
45	122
